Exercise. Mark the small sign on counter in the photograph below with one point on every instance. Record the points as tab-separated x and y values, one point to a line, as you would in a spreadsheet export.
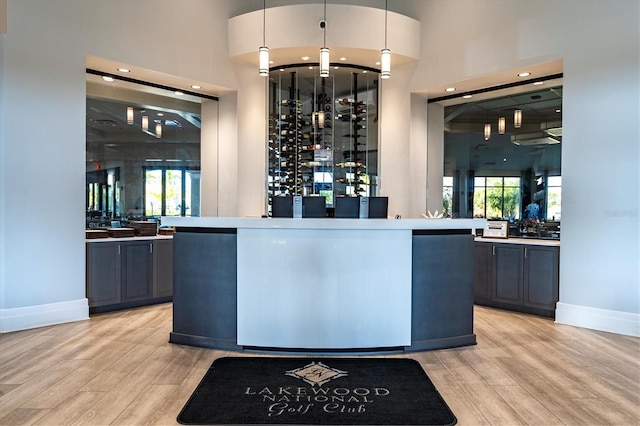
496	229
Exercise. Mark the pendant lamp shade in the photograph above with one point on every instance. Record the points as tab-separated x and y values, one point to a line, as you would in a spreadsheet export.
145	123
324	62
264	61
385	64
502	124
517	118
129	115
487	131
318	117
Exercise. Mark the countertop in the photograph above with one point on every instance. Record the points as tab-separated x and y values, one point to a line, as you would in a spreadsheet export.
117	239
515	240
323	223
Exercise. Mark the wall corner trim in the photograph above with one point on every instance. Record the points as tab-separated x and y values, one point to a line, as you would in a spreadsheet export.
43	315
598	319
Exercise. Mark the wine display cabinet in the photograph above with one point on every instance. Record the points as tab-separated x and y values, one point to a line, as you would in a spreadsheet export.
323	133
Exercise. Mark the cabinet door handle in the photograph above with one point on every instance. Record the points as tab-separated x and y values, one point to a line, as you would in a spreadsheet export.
493	250
118	249
150	247
525	252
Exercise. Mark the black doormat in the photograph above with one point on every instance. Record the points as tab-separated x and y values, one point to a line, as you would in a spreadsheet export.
316	391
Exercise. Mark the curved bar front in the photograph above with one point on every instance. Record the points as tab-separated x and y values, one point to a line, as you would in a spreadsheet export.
323	285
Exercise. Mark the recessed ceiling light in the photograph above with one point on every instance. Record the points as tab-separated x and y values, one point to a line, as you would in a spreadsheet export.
524	74
377	62
343	58
538	83
124	70
467	97
179	93
558	110
310	68
335	68
107	78
195	86
305	58
271	62
364	71
450	89
281	69
160	114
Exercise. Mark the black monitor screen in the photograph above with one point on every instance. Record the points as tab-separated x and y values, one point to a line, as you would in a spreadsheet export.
282	206
314	207
347	207
378	207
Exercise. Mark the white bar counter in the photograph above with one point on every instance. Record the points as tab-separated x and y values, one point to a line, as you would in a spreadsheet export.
328	223
322	284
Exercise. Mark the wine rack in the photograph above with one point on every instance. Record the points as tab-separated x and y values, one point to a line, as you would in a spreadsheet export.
285	149
320	141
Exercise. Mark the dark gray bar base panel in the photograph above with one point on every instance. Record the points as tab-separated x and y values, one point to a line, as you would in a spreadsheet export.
204	288
205	291
442	290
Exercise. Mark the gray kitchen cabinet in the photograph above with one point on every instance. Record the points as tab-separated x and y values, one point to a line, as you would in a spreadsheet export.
483	272
541	277
103	273
129	273
137	270
519	277
507	274
163	268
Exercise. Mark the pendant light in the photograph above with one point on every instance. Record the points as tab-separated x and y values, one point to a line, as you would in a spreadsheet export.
487	131
318	117
517	118
264	50
385	54
129	115
324	50
145	123
158	130
502	124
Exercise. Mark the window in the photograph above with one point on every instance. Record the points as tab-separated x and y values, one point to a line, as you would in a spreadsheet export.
554	189
447	195
496	197
171	192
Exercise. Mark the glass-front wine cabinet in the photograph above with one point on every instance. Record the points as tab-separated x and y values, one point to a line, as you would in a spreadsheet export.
323	133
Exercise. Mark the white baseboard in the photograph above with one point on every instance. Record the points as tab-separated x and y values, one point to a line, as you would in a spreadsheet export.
42	315
598	319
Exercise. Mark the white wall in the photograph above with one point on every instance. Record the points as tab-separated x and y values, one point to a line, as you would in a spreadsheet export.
209	158
435	156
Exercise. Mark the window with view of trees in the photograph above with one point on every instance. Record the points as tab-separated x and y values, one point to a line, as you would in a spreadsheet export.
447	195
496	197
171	192
554	190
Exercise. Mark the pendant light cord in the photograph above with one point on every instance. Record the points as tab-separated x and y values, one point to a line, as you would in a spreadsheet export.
264	22
324	30
385	23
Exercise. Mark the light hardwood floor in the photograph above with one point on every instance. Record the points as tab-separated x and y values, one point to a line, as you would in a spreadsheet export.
119	369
